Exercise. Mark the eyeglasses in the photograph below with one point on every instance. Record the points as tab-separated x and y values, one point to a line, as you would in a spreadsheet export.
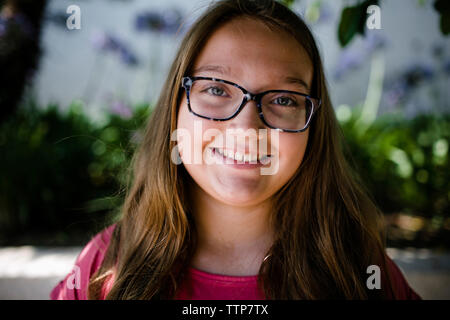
221	100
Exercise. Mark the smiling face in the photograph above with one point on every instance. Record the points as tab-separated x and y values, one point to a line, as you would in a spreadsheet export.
258	58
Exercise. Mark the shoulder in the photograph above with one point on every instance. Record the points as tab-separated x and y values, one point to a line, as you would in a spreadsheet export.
401	288
74	285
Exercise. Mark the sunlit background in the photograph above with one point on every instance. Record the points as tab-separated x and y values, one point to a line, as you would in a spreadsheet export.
73	102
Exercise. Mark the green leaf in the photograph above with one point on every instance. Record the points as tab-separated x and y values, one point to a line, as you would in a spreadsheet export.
288	3
443	8
353	21
445	24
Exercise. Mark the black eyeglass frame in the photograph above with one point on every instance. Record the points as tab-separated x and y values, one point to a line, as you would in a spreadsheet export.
187	83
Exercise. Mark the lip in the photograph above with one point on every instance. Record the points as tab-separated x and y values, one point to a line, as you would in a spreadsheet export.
236	164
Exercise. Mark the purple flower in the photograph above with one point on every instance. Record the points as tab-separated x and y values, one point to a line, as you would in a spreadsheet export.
351	58
149	21
105	42
127	57
121	109
416	74
402	86
447	67
396	92
167	22
108	43
374	41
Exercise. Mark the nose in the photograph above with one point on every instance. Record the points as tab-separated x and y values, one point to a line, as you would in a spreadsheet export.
248	117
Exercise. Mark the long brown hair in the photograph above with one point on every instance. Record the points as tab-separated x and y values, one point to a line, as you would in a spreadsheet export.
328	229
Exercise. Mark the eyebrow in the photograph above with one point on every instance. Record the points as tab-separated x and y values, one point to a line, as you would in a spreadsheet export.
219	69
226	71
298	81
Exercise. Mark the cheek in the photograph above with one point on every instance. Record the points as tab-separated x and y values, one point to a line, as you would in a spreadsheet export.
292	148
190	135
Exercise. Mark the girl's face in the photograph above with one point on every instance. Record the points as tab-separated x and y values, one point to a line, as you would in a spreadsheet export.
246	52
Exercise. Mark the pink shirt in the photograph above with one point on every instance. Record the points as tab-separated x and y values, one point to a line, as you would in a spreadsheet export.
199	285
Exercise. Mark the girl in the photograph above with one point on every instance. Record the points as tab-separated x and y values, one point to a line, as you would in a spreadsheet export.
219	228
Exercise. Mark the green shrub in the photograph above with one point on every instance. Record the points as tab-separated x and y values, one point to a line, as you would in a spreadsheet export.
61	172
405	164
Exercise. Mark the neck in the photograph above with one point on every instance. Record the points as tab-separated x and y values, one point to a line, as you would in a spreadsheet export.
230	236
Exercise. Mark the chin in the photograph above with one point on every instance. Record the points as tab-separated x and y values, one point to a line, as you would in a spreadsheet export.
240	199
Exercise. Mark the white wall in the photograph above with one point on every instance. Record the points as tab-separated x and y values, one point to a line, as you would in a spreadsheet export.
72	69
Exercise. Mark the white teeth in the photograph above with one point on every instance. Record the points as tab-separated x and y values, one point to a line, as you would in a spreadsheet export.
249	158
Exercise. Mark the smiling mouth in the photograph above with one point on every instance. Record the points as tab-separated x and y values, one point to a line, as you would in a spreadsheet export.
243	157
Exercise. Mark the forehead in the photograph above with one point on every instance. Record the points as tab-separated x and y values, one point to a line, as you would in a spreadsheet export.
248	48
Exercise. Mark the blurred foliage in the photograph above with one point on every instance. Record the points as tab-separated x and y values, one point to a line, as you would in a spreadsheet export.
405	164
353	21
20	49
443	7
353	18
287	3
62	172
